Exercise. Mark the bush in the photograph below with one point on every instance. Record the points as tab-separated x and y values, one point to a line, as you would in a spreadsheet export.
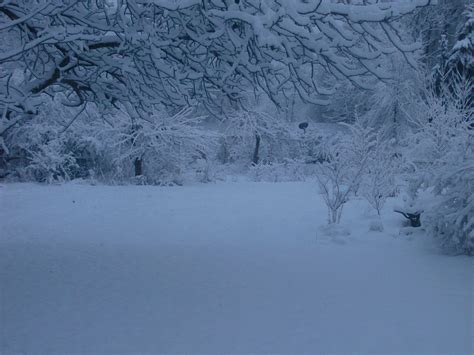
442	153
338	177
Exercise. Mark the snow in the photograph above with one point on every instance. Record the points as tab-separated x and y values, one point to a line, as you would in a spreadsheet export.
220	268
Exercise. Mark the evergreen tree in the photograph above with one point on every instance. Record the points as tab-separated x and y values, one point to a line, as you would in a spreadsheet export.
462	54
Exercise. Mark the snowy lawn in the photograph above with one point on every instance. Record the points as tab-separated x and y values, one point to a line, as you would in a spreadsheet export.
225	268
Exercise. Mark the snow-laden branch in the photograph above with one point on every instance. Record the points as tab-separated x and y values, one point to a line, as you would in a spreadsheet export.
179	53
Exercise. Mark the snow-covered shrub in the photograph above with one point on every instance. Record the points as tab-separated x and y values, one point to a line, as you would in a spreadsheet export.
359	146
376	225
362	160
334	233
379	184
312	145
44	152
372	158
337	178
378	180
59	144
451	216
443	158
60	147
204	170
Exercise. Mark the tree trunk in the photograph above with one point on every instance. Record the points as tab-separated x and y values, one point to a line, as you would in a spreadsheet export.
138	166
256	150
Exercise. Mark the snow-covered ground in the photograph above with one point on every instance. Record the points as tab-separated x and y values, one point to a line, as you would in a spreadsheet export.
219	269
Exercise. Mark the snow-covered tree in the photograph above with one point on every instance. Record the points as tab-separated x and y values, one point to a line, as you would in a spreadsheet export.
455	52
386	107
249	132
168	146
177	53
461	58
437	27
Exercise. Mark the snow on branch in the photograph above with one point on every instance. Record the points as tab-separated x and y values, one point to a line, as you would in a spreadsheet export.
179	53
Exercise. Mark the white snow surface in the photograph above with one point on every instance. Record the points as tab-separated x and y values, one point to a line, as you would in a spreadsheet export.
231	268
